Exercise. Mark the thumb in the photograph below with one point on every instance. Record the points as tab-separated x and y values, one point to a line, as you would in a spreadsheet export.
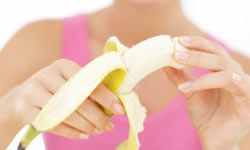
177	76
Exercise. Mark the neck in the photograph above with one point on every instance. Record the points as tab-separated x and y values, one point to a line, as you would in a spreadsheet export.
133	22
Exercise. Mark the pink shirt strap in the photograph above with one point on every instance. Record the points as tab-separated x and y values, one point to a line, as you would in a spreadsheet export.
75	39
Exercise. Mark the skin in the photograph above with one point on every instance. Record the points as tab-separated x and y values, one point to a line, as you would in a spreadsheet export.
218	102
23	101
25	89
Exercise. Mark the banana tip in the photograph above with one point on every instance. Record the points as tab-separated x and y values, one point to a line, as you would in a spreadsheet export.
20	147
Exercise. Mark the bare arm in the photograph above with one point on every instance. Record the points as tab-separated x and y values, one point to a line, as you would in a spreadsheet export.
32	76
32	48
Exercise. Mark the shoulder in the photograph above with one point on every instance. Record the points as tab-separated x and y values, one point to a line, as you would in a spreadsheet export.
39	34
33	47
36	38
45	25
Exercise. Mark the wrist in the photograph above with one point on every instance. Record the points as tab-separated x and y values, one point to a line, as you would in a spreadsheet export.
7	116
9	127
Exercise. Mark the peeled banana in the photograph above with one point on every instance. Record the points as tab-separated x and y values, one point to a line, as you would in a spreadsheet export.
120	69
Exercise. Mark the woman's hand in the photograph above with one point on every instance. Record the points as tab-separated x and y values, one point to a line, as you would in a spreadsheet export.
25	101
219	101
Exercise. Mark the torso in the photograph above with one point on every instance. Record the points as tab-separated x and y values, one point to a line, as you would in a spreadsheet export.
167	120
152	90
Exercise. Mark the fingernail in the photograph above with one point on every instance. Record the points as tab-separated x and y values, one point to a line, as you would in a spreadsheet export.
97	131
181	55
236	77
185	86
83	136
109	126
185	39
118	108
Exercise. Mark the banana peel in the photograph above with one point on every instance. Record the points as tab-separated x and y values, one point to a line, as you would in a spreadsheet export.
120	69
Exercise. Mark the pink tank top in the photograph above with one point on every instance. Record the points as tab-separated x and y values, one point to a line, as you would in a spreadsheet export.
169	129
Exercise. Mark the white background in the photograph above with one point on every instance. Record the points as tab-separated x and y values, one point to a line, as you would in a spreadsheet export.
229	20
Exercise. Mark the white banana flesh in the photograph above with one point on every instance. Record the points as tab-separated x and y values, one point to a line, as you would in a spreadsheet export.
148	56
75	91
120	69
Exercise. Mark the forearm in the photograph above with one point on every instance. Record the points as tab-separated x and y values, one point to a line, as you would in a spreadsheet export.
8	127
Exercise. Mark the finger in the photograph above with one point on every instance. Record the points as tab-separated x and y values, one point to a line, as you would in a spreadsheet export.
242	82
36	93
95	115
107	99
69	132
27	116
67	68
177	76
55	75
203	60
79	122
40	96
202	44
223	79
50	79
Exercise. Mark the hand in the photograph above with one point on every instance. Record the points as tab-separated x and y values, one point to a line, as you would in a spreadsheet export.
219	101
25	101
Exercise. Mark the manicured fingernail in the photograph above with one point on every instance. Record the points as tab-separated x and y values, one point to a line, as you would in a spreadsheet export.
118	108
109	126
236	77
97	131
185	86
83	136
181	55
185	39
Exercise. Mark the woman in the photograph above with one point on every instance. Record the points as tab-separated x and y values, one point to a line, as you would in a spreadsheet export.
218	115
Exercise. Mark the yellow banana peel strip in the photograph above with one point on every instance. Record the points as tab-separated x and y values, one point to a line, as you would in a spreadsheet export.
120	69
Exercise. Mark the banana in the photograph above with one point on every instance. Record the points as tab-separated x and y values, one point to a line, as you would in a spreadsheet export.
120	69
